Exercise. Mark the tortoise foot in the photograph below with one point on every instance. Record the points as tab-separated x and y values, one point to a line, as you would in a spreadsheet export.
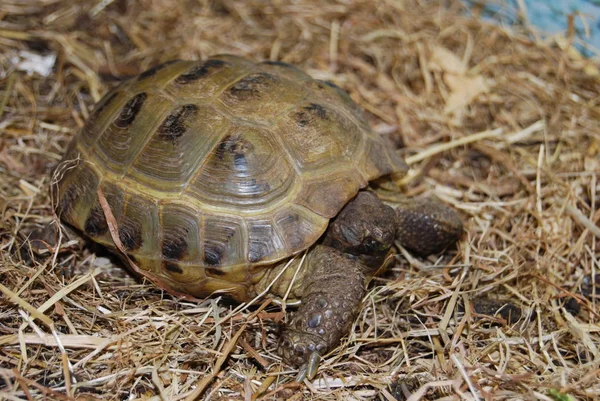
302	350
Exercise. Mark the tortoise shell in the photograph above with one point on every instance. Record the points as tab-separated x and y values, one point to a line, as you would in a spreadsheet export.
215	170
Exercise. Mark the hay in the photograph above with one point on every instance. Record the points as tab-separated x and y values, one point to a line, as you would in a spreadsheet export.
502	127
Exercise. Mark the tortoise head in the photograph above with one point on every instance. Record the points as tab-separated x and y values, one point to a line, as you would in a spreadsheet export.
365	229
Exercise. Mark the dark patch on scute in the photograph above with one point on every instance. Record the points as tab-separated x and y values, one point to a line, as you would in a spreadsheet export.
322	84
130	111
222	147
316	110
257	252
151	71
302	119
175	247
330	84
174	124
235	149
309	113
290	223
130	234
212	254
280	64
95	224
234	145
263	241
65	205
252	85
172	267
199	71
211	271
218	237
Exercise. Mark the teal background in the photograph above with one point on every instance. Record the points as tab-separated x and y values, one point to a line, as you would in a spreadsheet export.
550	16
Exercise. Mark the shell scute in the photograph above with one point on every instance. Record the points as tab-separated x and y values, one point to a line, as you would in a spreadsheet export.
263	240
326	195
298	226
117	145
223	241
199	71
76	190
250	168
205	79
174	150
101	117
180	229
318	137
138	226
287	70
259	96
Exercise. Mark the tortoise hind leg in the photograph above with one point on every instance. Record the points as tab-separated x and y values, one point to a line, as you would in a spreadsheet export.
333	289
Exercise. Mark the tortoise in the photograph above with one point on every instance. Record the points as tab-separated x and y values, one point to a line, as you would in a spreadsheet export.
219	172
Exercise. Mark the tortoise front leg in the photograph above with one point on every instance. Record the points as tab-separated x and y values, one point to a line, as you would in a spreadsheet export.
355	244
333	289
426	226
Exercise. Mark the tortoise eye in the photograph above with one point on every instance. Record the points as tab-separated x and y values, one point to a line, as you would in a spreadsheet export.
371	244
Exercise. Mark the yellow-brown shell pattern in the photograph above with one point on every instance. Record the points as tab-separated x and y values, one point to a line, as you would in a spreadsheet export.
215	169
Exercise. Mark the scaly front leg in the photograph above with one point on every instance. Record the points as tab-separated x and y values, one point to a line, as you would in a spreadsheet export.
333	289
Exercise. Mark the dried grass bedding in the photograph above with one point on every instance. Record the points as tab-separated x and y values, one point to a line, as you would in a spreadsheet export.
502	127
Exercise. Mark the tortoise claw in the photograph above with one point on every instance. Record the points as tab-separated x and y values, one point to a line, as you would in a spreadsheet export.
309	369
302	373
313	365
